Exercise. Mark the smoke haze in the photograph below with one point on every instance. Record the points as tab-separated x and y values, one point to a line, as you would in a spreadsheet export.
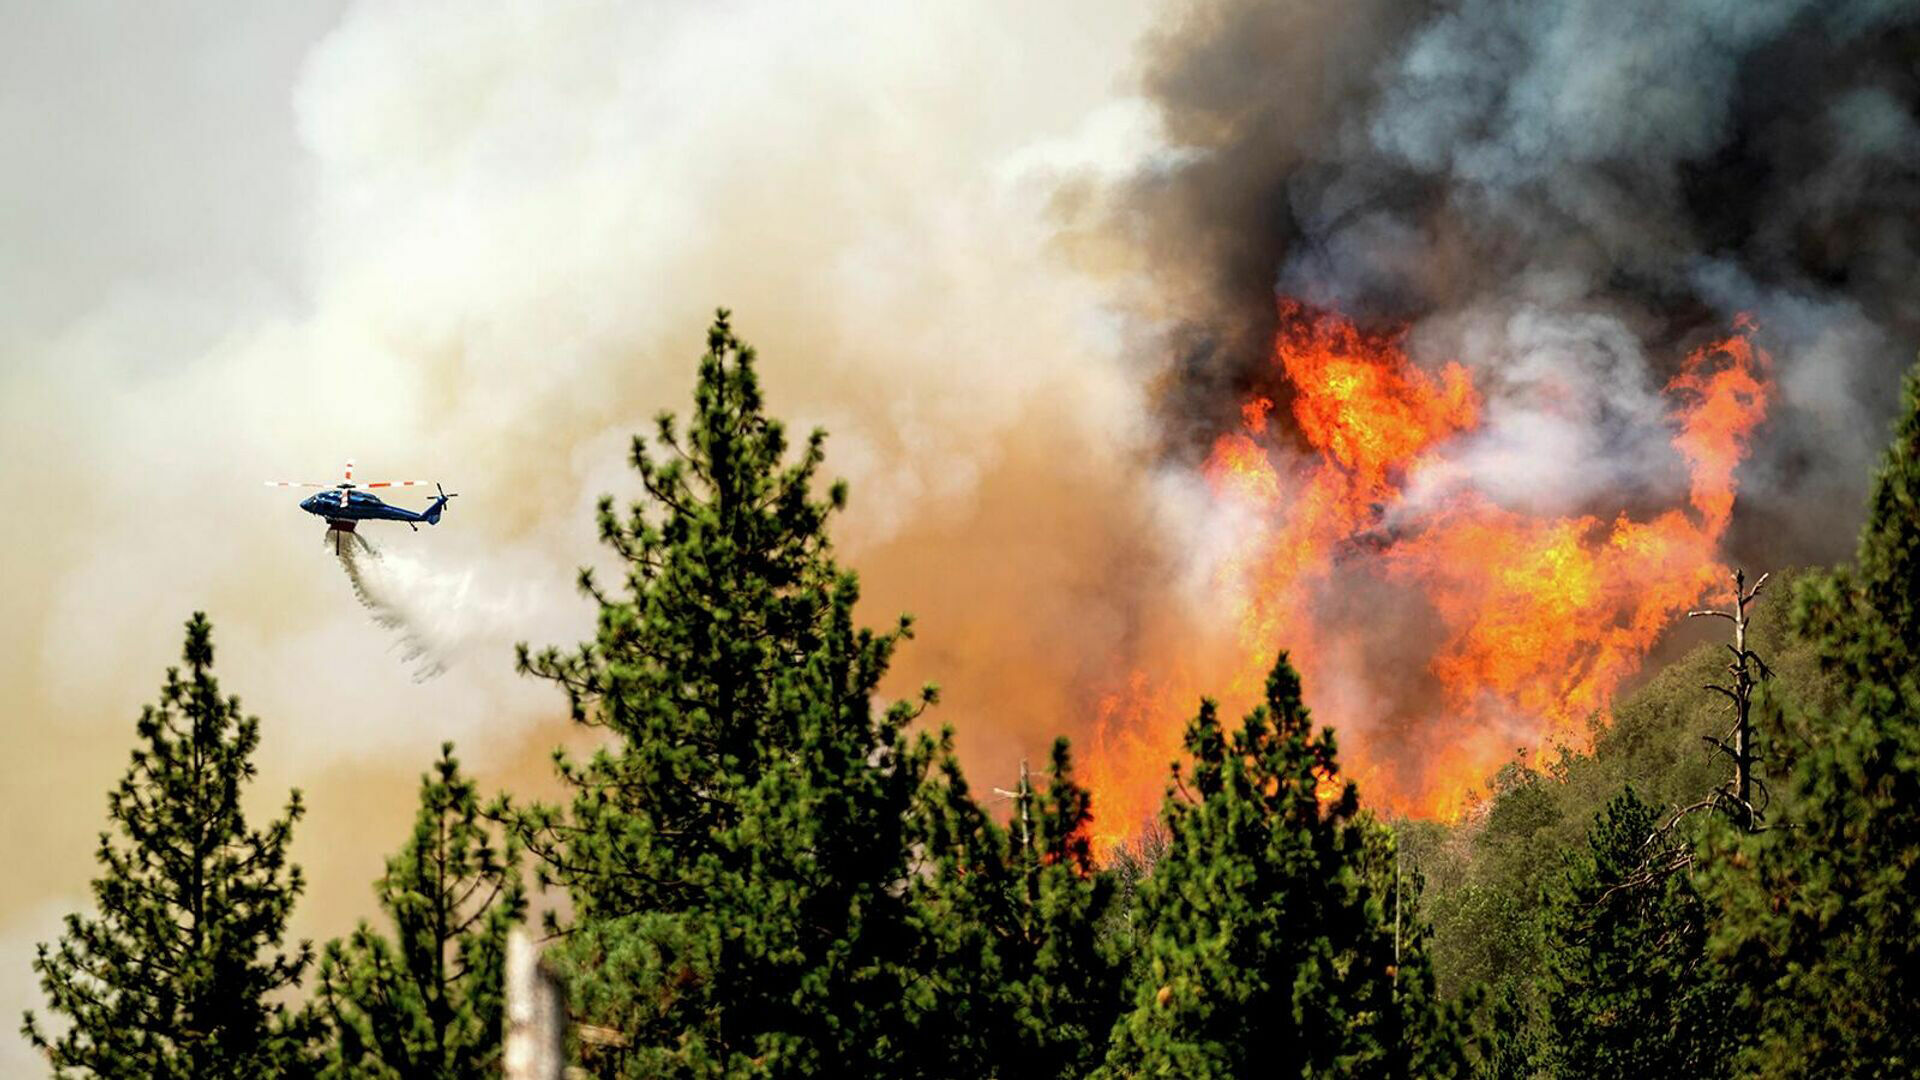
481	244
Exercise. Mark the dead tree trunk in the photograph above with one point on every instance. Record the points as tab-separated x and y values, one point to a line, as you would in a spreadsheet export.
1747	670
1735	797
536	1020
1023	798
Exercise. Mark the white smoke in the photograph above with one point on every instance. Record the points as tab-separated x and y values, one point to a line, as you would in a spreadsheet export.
1573	413
480	242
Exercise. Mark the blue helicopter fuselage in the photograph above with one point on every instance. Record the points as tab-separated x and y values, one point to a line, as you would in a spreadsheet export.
345	508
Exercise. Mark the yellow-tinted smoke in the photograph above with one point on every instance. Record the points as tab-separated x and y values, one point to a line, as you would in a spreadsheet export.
481	245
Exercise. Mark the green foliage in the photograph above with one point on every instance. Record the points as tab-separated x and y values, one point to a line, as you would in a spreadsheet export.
178	973
1511	1043
1269	941
1020	980
1492	872
1820	927
427	1001
729	590
737	857
1628	984
1129	864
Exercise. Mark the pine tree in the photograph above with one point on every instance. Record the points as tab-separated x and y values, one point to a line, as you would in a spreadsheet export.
427	1001
1820	927
178	972
737	855
1629	987
1270	940
1024	984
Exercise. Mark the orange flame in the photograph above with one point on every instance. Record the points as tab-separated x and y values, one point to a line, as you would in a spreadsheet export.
1537	619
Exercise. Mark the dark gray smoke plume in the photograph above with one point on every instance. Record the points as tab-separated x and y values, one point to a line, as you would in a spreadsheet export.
1565	197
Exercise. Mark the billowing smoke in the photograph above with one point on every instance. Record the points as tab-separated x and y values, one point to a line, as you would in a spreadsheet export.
481	243
1566	199
1566	196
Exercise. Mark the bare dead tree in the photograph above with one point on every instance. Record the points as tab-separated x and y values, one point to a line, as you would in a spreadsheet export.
1736	797
1661	855
1024	798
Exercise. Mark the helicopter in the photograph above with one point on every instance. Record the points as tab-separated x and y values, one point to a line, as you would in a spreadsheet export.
344	505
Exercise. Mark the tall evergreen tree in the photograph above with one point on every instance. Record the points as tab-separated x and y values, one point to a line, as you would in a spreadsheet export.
427	1001
1629	986
179	971
1023	983
737	855
1271	944
1820	926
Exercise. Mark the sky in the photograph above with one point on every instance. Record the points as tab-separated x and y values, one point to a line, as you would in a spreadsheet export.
479	244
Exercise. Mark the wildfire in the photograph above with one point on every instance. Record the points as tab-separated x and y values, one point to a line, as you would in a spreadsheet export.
1535	620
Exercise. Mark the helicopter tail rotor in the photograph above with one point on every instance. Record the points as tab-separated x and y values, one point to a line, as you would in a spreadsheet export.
432	514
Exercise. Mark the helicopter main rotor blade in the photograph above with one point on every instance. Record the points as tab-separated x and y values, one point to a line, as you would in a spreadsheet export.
295	483
398	483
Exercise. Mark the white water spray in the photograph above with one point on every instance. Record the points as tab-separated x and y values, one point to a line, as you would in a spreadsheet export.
385	588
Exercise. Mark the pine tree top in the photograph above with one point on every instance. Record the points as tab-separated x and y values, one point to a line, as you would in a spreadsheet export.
177	972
